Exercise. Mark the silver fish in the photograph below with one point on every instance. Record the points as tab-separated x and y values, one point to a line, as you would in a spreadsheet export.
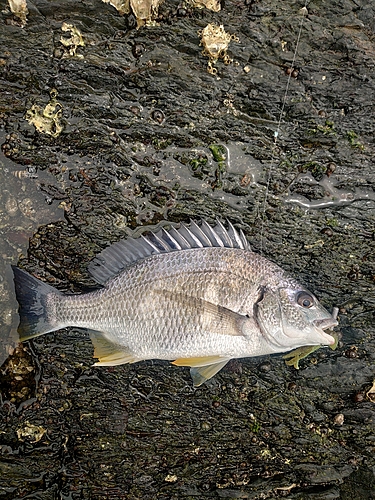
197	295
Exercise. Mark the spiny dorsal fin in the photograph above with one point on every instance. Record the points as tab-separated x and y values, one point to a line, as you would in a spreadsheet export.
114	259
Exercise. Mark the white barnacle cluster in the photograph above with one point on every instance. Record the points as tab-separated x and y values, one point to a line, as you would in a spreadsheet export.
20	10
213	5
215	41
72	43
145	11
46	120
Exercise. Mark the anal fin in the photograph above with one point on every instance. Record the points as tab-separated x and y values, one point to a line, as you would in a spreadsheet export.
202	368
108	353
203	373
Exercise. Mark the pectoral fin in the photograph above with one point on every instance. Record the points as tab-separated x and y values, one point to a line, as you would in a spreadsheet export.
202	368
211	317
109	354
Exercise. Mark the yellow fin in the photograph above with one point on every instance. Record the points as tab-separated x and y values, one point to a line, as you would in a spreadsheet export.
203	373
109	354
202	368
197	362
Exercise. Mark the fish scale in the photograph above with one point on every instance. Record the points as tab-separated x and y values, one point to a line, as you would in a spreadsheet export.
197	295
113	309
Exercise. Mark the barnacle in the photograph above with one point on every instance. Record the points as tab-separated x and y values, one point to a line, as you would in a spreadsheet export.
30	432
74	41
20	10
208	4
121	5
215	41
47	120
144	10
371	393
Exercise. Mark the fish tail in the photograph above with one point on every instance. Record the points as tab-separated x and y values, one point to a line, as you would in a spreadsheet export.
32	295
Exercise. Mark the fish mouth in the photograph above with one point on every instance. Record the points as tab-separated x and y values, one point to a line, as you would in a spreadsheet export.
326	339
328	322
323	324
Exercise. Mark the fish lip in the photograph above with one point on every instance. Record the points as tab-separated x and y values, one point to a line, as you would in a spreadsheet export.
328	322
329	340
323	324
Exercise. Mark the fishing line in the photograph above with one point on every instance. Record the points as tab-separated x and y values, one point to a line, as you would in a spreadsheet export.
303	13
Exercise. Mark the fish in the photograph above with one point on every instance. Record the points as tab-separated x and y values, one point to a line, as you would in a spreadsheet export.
196	295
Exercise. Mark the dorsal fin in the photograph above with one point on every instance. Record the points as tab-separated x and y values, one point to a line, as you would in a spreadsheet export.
115	258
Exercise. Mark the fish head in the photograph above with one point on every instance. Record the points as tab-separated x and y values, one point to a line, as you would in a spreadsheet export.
290	316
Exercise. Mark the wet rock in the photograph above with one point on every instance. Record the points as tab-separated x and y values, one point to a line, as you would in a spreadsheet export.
116	166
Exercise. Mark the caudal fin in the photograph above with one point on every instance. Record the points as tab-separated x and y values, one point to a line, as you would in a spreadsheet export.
32	295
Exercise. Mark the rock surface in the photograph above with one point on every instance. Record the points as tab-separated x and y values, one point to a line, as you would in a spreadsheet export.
148	135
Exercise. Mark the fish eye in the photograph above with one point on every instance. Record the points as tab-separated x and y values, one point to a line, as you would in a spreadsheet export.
304	299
